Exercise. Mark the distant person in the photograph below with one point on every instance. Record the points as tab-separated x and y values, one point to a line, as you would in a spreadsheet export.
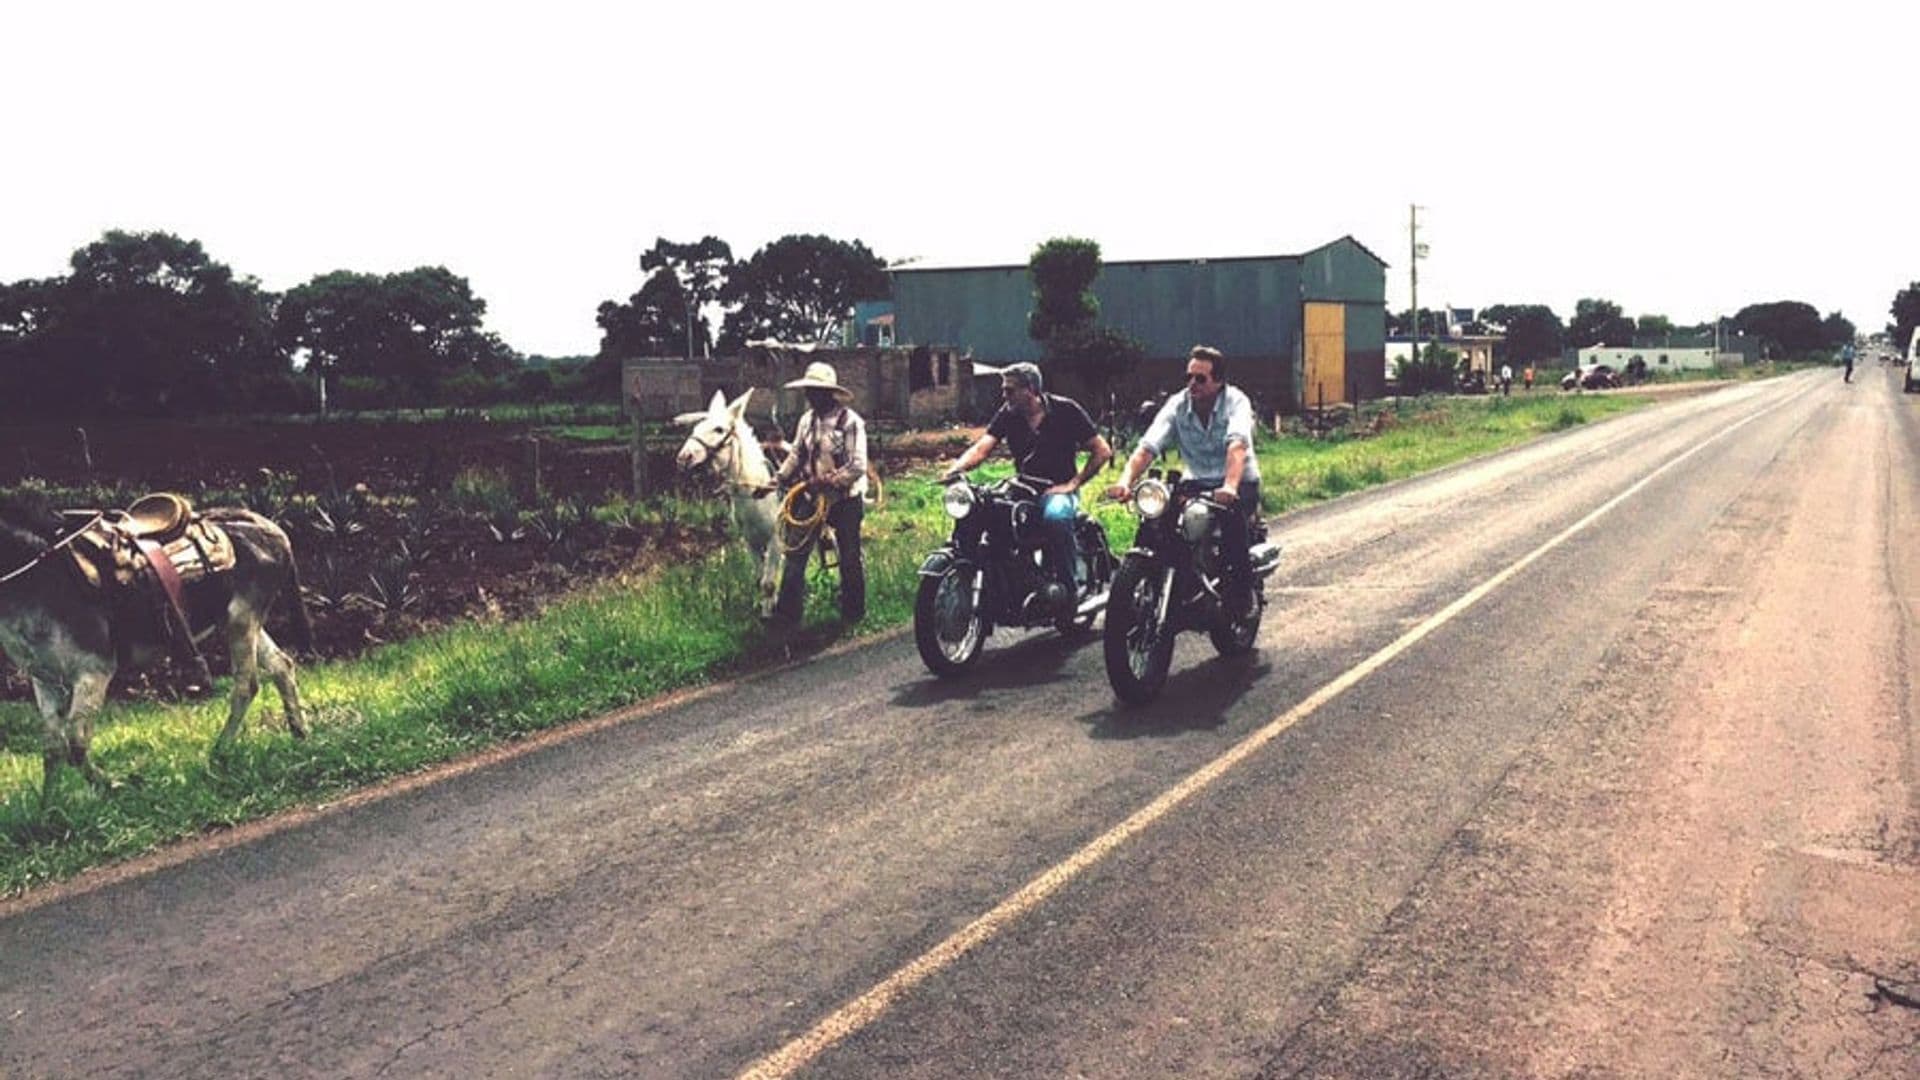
1527	376
1506	379
1846	357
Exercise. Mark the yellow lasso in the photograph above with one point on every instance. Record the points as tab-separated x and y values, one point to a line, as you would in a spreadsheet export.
796	533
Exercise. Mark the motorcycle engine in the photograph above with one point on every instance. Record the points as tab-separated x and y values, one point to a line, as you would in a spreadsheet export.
1196	522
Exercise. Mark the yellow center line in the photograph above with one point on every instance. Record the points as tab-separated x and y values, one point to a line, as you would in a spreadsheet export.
866	1008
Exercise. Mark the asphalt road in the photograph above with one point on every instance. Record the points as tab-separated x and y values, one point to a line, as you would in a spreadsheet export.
1592	758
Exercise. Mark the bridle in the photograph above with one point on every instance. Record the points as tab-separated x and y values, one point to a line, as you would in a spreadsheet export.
713	448
50	550
711	461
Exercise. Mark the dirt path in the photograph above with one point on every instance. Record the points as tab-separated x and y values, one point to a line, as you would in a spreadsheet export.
1709	867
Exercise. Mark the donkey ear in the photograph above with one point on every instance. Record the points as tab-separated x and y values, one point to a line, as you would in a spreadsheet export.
718	403
739	406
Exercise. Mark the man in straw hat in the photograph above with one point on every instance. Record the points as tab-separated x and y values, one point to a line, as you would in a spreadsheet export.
830	458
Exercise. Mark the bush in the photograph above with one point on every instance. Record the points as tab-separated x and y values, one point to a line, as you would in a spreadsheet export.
1430	373
484	493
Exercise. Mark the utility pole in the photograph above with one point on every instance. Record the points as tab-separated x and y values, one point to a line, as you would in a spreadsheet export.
1416	252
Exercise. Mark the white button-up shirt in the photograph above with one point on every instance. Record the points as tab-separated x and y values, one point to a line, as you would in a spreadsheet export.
1203	446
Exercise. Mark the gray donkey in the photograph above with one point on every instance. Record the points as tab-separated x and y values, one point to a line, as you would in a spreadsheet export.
70	637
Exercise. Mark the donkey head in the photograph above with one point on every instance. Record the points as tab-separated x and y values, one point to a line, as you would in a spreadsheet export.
713	431
29	524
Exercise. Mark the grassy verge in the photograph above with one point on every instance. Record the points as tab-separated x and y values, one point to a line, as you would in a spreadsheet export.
412	704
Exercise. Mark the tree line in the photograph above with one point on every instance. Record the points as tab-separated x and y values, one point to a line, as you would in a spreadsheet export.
798	289
150	324
1534	333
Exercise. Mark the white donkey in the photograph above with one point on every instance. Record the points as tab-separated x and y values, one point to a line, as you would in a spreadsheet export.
722	441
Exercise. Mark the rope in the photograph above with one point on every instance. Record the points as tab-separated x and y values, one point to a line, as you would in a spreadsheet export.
795	532
51	550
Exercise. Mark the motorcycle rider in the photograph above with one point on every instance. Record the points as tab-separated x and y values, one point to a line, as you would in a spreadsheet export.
1212	425
1044	433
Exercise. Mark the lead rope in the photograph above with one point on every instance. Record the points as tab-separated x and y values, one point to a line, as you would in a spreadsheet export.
51	550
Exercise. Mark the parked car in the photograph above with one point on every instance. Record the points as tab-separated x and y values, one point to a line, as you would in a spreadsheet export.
1592	377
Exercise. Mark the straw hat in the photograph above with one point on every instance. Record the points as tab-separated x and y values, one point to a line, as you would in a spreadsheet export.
820	376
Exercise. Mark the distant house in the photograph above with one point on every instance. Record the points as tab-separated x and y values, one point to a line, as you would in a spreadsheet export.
1658	358
890	386
1475	349
1296	329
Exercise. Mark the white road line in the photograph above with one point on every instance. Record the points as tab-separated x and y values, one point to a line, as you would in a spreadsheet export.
866	1008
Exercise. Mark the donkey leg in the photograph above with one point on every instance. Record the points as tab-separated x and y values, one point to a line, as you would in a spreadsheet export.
89	694
243	635
769	579
52	699
280	669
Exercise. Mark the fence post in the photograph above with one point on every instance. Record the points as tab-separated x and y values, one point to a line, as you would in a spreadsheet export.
639	451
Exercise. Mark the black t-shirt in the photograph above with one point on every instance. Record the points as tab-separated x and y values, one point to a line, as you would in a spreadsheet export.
1049	452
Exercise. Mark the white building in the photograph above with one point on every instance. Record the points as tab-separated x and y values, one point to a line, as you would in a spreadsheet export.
1659	358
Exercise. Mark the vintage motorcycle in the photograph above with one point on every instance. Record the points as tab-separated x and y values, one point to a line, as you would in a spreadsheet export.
1171	581
990	573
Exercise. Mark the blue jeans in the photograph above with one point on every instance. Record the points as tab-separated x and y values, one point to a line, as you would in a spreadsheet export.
1057	513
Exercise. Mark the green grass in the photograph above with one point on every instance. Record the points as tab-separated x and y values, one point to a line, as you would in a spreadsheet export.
590	433
409	705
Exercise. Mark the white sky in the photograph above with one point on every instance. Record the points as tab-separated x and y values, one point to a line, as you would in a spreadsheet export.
1675	158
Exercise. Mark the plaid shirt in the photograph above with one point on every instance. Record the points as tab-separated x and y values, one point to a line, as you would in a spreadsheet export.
830	448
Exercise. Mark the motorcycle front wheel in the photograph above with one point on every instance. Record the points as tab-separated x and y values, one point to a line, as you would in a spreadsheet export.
948	630
1138	648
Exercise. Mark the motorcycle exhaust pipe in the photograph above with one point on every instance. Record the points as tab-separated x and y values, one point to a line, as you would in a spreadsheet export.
1265	558
1092	605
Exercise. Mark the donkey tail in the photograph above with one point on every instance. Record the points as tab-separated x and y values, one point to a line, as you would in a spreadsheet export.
302	626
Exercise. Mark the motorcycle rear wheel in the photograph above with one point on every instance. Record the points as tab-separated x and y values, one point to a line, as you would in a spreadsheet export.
1138	649
947	629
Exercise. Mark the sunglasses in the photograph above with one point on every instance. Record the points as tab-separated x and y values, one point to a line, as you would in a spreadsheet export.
1199	377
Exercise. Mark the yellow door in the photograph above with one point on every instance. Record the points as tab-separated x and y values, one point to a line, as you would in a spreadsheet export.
1326	366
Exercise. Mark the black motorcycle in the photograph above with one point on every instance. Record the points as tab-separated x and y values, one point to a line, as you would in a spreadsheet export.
1171	581
990	573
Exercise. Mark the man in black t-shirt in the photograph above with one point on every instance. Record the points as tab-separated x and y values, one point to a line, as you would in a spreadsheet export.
1044	433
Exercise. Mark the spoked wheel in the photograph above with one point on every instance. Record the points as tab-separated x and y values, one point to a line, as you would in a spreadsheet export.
1236	638
947	628
1138	647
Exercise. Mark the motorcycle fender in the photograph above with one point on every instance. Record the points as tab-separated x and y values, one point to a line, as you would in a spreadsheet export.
939	562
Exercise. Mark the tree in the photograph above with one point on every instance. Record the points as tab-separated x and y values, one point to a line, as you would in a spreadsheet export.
1598	322
1533	332
1905	312
1433	324
1063	271
417	327
800	288
1065	316
1786	328
1836	330
701	270
653	321
1653	328
145	323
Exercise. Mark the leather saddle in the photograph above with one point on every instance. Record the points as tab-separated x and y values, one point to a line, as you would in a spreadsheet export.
160	517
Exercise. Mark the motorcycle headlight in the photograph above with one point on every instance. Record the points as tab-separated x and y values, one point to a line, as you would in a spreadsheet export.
1196	521
1150	499
958	500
